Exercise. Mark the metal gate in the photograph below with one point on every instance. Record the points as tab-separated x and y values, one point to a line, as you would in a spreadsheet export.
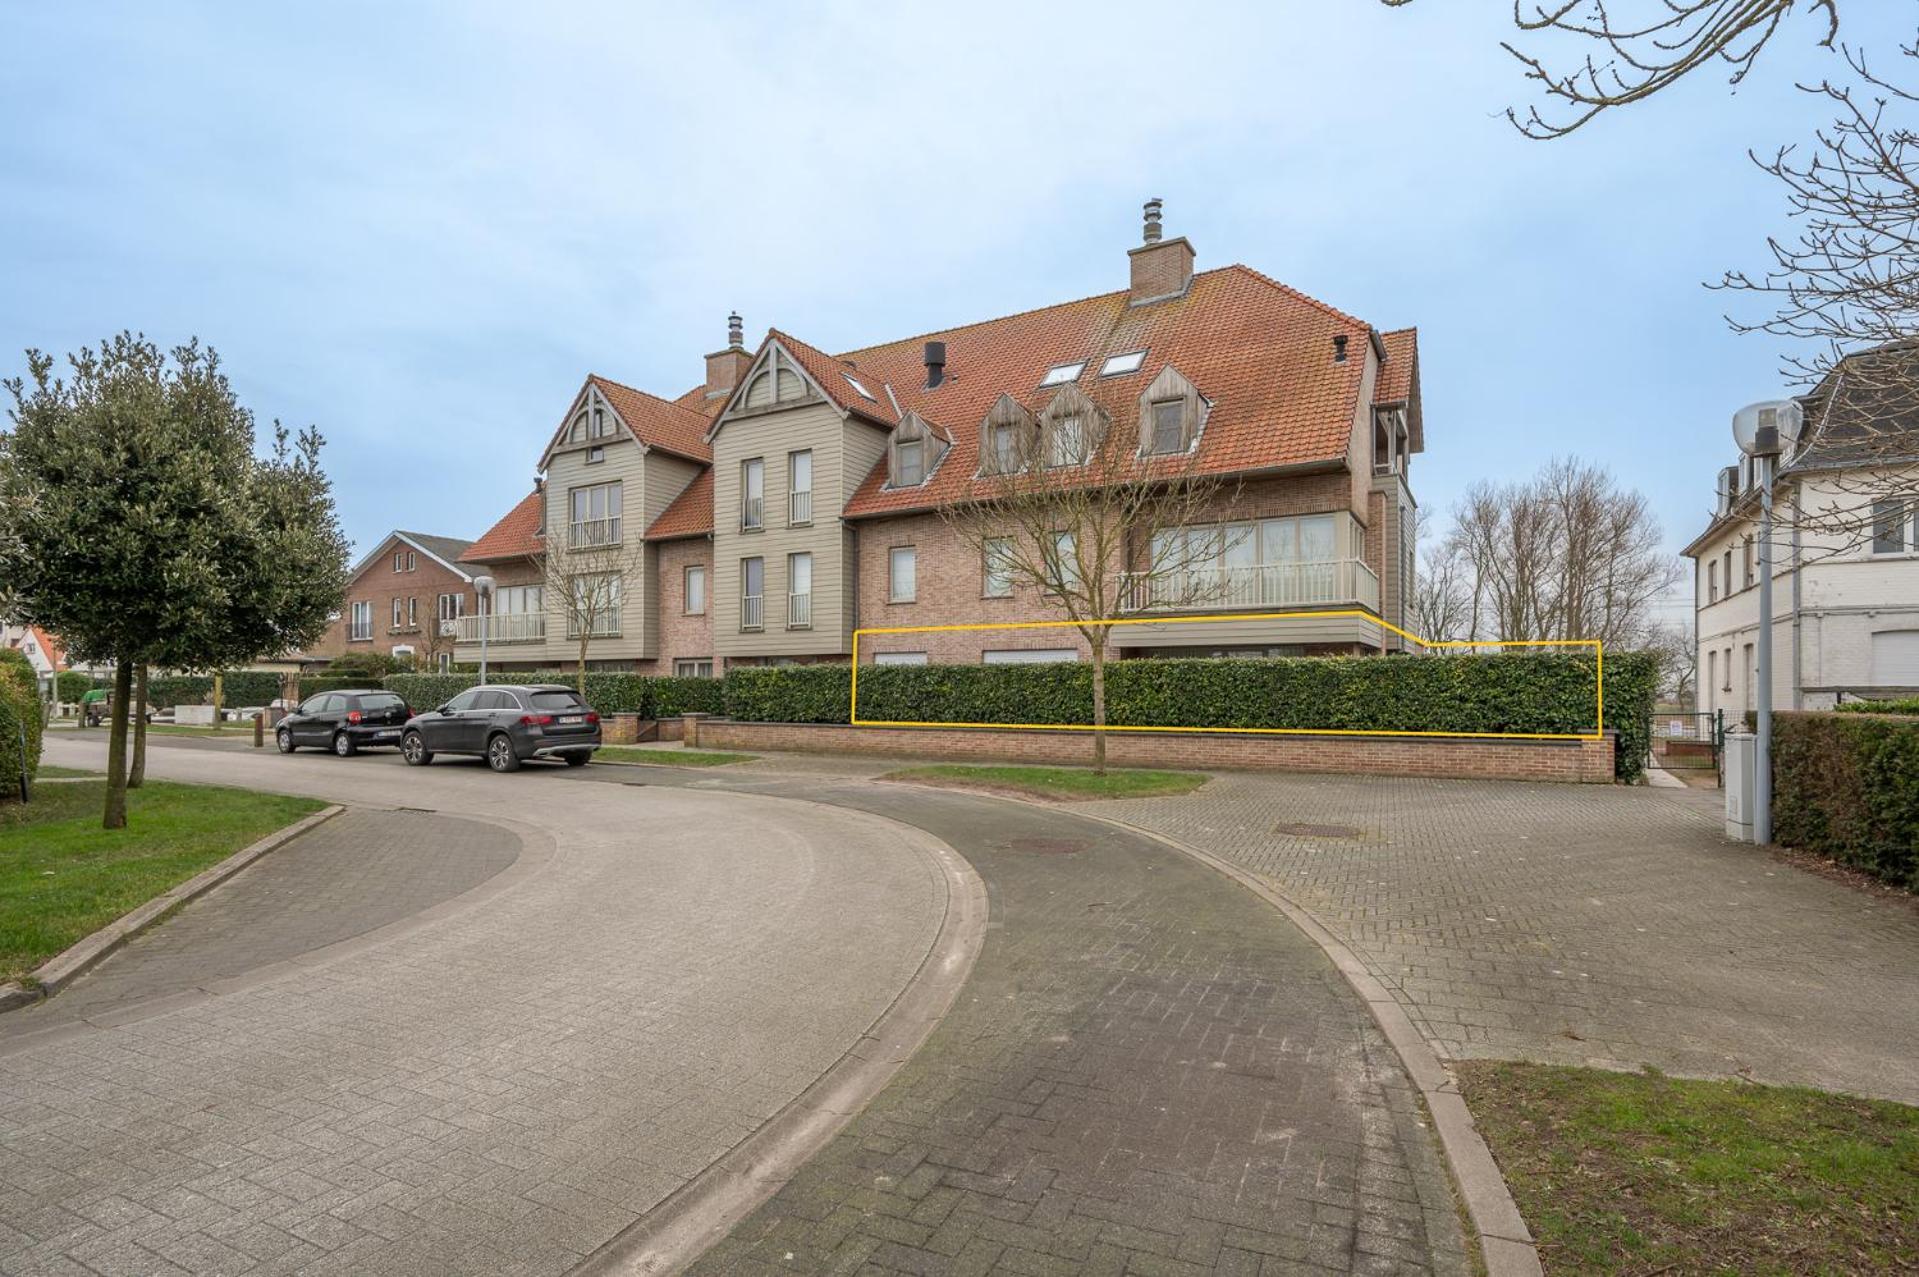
1689	742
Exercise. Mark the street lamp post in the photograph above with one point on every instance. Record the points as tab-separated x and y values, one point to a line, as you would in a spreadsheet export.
1757	429
483	590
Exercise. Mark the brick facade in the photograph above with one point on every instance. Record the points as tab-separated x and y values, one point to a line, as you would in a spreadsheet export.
420	579
683	637
1568	762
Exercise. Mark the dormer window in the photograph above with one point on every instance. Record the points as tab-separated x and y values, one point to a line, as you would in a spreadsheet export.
1066	441
915	449
1005	453
1169	426
1071	428
1119	365
1005	437
912	462
1171	413
1060	374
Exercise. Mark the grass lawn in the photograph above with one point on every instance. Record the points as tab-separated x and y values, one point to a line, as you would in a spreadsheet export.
236	731
1054	782
63	877
1641	1173
50	772
669	757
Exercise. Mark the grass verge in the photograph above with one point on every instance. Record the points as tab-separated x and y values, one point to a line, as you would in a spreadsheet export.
1059	783
1641	1173
62	877
49	772
669	757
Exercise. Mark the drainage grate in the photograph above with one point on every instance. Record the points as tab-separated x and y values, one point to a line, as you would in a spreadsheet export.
1319	831
1046	846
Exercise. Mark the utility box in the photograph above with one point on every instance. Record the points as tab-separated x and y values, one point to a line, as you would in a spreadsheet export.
1742	753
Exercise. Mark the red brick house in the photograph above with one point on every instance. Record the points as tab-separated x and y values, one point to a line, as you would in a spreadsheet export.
805	505
397	598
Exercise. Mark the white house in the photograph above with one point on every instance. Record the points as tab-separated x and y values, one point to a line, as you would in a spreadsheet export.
1845	551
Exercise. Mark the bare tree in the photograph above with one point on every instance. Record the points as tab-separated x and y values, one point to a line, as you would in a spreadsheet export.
1567	554
1065	506
586	572
1443	604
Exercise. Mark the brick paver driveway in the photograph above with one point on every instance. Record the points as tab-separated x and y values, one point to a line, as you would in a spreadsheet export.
1581	924
501	1085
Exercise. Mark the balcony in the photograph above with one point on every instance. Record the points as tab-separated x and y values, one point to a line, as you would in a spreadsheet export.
593	534
752	513
603	627
1272	588
752	611
799	507
799	611
501	627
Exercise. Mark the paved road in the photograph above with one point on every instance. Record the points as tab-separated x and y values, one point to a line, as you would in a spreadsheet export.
1581	924
498	1088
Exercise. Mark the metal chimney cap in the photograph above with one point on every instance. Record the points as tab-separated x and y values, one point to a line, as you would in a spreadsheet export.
1153	207
735	331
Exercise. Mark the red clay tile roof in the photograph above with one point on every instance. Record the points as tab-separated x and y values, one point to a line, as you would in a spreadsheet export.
689	514
513	537
659	423
1395	382
832	375
1260	352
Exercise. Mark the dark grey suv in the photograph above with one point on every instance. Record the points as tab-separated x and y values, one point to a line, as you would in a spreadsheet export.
506	725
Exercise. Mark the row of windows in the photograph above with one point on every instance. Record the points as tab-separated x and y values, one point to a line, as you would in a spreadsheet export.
406	614
799	491
1114	366
1895	530
405	561
799	592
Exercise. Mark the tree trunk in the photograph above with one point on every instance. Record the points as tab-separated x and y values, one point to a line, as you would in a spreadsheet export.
137	774
579	675
116	812
1098	641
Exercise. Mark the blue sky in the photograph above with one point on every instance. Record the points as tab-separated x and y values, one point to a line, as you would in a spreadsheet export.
419	227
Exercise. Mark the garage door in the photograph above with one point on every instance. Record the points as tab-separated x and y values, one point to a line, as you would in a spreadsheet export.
1895	658
1031	656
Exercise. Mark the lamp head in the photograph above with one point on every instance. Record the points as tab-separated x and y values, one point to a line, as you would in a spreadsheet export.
1761	429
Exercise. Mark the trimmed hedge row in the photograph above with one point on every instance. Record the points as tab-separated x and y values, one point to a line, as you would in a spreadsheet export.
1548	693
71	685
1904	705
1847	786
609	693
237	687
19	713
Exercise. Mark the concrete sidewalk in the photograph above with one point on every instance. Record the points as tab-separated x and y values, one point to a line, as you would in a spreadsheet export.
1578	924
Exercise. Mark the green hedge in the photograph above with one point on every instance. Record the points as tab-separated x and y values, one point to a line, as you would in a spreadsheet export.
1847	786
609	693
671	696
237	688
1904	705
19	712
1507	693
72	685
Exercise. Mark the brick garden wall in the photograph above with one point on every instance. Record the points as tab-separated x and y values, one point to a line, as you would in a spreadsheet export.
1569	762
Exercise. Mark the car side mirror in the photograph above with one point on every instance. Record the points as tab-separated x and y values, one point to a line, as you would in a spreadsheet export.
442	709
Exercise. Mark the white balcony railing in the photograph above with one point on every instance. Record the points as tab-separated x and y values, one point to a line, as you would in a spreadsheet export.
799	507
501	627
1280	585
602	627
799	611
591	533
752	611
753	513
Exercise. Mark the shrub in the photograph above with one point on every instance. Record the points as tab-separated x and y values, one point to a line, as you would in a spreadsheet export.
1847	786
1546	693
1904	705
674	696
19	717
609	693
368	667
72	685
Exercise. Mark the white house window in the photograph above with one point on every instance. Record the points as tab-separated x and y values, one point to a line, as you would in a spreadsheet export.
411	562
753	593
799	591
695	580
451	607
1712	581
1895	658
902	576
595	455
1005	449
998	568
1063	561
396	614
752	493
1066	441
1060	374
362	620
1889	522
412	613
519	600
399	560
597	601
1169	426
696	668
1119	364
596	516
912	462
799	478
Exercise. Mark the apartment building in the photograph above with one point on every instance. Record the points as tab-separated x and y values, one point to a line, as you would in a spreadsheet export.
1845	552
400	597
795	496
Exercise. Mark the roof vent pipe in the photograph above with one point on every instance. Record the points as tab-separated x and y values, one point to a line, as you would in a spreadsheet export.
1153	207
1339	348
935	363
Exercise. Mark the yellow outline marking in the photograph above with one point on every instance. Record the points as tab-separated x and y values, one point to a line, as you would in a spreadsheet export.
1599	655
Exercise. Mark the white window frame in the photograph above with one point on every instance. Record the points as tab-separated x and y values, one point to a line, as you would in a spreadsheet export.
919	460
688	575
753	494
361	628
799	497
1063	560
1000	548
1060	374
693	667
799	603
396	613
1058	456
893	560
608	526
1125	362
451	607
412	612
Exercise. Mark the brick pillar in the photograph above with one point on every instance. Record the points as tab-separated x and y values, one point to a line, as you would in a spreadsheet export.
690	729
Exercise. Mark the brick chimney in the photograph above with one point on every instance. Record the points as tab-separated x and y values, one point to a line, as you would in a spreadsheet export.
1162	268
724	368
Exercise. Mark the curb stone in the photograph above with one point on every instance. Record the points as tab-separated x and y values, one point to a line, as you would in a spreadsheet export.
57	972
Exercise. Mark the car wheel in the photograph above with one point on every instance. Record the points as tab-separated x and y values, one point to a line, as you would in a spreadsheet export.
343	745
500	756
284	739
413	749
579	758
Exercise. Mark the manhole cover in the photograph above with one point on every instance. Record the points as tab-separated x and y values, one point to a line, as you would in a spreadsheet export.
1047	846
1318	831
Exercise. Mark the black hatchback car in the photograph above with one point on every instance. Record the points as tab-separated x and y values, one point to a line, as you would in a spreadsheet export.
345	722
507	726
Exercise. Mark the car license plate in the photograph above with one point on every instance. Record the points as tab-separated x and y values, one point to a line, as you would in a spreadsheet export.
569	720
385	735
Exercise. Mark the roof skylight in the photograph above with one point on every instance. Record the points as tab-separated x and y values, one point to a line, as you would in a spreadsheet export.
1117	364
854	382
1060	374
